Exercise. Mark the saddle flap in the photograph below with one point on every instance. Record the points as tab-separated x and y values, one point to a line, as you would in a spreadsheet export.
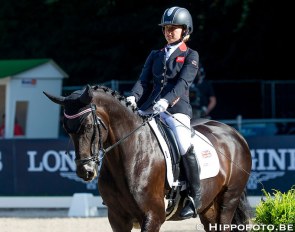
170	139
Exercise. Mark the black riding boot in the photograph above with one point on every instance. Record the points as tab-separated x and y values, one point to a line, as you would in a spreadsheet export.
192	174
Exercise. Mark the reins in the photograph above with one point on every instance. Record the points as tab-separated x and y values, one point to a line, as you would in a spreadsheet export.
129	134
97	156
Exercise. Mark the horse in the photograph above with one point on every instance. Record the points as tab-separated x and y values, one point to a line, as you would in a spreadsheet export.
108	132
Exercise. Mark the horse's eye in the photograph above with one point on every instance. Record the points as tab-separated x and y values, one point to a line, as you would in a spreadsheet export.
88	127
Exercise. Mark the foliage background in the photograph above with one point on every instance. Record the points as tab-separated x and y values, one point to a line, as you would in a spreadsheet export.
277	210
98	40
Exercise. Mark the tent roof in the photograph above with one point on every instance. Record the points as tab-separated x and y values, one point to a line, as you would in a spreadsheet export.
13	67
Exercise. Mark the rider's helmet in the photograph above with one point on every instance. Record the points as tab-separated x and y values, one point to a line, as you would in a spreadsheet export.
178	16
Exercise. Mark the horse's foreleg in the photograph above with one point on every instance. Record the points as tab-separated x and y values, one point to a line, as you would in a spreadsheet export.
153	221
154	215
119	222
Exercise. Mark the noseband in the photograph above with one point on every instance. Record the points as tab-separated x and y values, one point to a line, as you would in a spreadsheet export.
97	155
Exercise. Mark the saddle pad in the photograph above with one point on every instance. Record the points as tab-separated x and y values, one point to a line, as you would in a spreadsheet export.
206	154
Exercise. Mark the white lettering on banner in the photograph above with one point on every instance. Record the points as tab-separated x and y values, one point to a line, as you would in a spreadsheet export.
1	164
32	167
67	161
292	159
61	161
56	164
270	164
54	161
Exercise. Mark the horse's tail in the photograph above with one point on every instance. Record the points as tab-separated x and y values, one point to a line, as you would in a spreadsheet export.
243	212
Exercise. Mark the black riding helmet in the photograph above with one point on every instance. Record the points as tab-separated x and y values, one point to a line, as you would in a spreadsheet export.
178	16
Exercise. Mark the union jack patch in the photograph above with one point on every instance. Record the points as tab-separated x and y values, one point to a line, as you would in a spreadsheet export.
206	154
180	59
195	63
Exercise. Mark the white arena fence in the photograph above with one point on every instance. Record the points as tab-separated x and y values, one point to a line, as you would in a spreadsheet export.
64	202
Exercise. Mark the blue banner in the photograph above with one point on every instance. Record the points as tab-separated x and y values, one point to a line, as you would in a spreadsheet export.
41	167
273	164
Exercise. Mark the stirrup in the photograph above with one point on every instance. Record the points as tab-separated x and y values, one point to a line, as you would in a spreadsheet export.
188	200
170	206
188	210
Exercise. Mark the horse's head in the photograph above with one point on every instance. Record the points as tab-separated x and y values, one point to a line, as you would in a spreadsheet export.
84	126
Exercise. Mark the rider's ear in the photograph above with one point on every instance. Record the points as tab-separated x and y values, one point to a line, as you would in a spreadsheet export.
86	96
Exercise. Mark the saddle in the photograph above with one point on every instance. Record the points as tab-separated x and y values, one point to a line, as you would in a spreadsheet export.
175	193
171	142
176	182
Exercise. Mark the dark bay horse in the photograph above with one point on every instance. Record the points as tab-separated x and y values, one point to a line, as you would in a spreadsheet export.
132	175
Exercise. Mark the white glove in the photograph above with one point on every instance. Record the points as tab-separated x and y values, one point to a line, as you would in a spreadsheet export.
131	100
160	106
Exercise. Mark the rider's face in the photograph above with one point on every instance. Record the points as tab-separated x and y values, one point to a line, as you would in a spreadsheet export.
172	33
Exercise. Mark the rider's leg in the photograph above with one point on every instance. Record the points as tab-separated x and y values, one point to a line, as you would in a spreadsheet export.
180	124
192	173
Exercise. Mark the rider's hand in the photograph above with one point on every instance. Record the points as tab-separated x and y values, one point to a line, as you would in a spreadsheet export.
131	101
160	106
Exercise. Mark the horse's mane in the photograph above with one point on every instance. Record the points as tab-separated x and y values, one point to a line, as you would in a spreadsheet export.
116	95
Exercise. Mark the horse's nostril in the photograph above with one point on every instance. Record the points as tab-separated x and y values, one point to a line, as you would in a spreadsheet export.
86	172
89	174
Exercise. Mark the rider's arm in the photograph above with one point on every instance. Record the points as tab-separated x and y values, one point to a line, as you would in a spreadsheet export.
145	77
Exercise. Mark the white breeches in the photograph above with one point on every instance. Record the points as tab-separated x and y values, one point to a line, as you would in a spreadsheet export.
181	130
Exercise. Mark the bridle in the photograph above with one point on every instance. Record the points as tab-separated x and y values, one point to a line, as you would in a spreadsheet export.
96	155
99	154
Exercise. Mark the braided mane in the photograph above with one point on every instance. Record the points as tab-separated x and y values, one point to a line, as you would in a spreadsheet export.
116	95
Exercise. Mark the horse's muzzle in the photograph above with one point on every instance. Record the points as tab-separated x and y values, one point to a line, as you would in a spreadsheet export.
87	171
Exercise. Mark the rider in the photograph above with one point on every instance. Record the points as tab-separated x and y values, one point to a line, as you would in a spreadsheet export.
171	71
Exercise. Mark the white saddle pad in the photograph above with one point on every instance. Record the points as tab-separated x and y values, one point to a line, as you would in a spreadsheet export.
206	154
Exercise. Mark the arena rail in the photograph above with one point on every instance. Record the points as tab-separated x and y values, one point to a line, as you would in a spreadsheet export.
7	202
43	202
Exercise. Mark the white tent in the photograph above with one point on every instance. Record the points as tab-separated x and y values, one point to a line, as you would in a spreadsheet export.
22	83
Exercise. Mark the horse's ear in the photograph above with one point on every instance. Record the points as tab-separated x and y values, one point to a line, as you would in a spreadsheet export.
57	100
86	96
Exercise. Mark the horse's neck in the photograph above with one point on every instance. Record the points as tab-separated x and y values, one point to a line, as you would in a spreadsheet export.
120	118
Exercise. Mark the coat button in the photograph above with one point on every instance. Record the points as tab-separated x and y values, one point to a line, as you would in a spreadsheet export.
163	74
162	81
